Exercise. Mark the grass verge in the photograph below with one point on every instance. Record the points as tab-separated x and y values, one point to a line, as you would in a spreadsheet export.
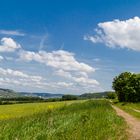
131	108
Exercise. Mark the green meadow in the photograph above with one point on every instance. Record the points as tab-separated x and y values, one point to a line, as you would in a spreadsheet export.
76	120
20	110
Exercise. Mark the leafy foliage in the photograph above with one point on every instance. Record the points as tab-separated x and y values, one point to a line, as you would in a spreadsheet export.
127	87
94	95
69	97
111	95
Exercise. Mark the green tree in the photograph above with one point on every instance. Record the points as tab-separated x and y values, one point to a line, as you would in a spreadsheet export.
121	84
69	97
127	87
111	95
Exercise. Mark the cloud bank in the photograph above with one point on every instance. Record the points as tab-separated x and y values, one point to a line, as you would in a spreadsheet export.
67	73
64	65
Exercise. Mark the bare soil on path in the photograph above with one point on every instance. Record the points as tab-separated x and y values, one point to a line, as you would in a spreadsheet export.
133	123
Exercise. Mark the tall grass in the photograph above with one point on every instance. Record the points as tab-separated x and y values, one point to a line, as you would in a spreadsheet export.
91	120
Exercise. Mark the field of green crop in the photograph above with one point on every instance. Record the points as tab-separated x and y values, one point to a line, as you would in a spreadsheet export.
88	120
131	108
20	110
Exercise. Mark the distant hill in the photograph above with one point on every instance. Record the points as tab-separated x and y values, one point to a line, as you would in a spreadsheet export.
94	95
7	93
41	95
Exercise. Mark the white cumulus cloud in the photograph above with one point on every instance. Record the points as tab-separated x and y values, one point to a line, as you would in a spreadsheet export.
64	65
57	59
8	45
78	77
18	74
117	33
18	78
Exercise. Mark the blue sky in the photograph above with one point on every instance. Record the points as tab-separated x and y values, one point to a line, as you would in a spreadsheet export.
67	47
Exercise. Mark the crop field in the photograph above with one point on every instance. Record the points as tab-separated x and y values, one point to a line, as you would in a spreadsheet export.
76	120
20	110
131	108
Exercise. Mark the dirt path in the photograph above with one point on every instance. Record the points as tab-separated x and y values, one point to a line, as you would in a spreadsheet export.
133	123
136	110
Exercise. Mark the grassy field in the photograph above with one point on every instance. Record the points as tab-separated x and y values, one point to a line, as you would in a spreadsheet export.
20	110
131	108
90	120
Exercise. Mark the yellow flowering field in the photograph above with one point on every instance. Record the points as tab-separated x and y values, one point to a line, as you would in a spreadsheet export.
19	110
